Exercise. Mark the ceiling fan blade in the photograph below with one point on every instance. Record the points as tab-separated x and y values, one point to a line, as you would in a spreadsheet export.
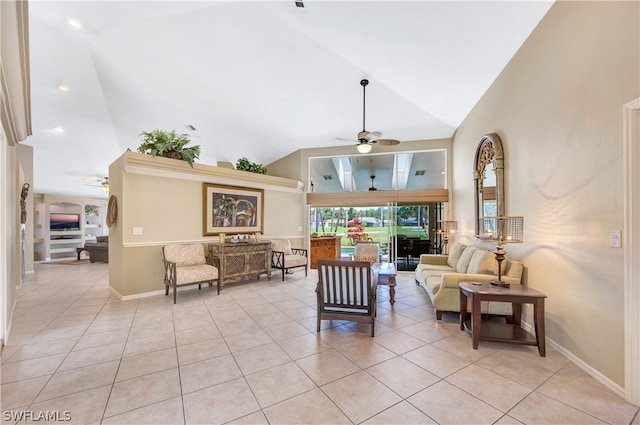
375	134
386	142
346	140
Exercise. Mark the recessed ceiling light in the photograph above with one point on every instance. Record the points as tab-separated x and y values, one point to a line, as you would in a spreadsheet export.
442	173
74	23
63	88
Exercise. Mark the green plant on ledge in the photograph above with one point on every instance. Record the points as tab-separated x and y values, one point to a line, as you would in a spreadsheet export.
245	165
168	144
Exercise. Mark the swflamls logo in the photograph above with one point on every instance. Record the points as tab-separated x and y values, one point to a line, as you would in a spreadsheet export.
31	415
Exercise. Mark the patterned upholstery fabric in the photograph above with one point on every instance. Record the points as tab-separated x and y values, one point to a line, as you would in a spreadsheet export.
197	273
185	255
186	264
282	245
367	252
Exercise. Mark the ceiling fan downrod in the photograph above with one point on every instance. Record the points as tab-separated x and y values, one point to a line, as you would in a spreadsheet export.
364	84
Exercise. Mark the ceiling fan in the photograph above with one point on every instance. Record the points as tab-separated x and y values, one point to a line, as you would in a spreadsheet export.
104	184
366	139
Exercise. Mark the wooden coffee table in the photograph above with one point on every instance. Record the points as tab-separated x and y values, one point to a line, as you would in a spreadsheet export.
516	295
386	276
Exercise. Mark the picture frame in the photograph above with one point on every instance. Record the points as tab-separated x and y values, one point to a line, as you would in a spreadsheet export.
231	209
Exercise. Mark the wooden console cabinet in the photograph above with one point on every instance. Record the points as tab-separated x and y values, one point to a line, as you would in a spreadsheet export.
324	248
237	261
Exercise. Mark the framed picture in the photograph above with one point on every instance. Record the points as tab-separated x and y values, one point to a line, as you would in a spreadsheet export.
231	209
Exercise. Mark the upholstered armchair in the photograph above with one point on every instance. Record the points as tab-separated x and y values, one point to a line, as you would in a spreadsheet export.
367	251
346	291
284	257
186	264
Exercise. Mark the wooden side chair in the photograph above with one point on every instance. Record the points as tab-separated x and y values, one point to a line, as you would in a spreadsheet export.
285	258
346	291
186	264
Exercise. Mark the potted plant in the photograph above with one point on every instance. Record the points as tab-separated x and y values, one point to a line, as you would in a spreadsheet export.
168	144
245	165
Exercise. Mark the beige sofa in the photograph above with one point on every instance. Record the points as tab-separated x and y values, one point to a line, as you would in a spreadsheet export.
440	275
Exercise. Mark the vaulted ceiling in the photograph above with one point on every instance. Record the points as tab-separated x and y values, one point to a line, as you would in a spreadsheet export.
256	79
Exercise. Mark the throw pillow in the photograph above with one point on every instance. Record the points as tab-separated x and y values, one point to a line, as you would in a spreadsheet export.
366	257
455	251
465	259
483	262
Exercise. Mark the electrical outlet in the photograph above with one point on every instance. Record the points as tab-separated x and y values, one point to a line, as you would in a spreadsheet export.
137	231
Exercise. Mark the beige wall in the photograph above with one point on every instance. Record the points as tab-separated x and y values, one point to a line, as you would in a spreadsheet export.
557	107
164	198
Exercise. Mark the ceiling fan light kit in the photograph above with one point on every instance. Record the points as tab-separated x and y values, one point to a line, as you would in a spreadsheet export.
364	147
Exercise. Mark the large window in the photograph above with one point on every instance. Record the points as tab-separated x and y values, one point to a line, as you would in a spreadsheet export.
361	173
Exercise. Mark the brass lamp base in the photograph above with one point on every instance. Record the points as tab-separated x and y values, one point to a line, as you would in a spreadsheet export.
500	283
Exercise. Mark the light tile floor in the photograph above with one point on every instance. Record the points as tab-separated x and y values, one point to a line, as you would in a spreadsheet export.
251	355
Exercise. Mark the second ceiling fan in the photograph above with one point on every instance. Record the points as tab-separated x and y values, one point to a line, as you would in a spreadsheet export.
366	139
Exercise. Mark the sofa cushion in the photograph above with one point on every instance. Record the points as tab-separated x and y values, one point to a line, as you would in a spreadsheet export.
465	259
455	251
431	268
282	245
483	262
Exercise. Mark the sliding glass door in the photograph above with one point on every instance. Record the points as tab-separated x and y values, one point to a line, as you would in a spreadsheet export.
404	231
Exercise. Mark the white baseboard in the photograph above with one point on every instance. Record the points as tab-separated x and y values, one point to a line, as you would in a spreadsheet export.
7	333
135	296
617	389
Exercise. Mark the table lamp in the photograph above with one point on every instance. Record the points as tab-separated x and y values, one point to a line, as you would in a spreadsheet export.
508	229
447	228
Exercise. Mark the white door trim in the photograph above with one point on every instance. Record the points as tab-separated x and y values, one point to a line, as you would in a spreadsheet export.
4	280
631	156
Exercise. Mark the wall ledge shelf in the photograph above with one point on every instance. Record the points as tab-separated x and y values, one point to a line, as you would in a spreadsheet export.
139	163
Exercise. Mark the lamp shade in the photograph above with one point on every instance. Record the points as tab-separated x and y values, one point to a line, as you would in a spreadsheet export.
364	147
447	226
508	229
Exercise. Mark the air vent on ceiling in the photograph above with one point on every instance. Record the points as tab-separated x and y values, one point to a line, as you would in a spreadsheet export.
299	4
327	177
420	172
190	127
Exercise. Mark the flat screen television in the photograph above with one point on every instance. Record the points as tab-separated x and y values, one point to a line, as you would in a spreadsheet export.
64	221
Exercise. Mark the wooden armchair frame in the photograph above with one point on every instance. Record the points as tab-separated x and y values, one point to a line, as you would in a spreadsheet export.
278	260
346	291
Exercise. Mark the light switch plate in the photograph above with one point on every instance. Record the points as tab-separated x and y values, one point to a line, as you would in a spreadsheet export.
614	238
137	231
